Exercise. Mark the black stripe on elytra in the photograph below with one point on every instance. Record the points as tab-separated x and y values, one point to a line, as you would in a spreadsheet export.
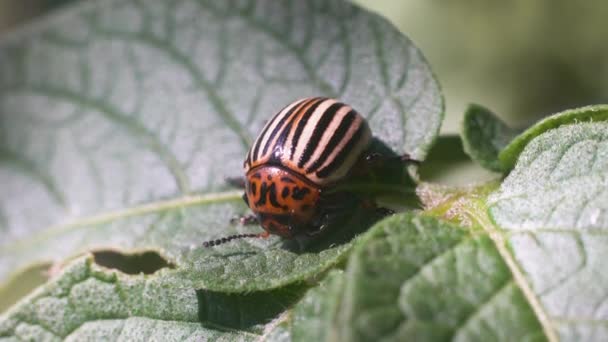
337	162
302	124
336	138
254	150
258	142
285	132
287	116
320	128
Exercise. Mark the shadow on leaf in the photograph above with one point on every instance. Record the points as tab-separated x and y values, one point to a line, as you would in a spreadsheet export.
248	311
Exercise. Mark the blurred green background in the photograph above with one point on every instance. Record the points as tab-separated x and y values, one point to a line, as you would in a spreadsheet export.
523	59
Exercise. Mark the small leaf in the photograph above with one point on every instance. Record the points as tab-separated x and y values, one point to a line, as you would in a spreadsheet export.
484	135
448	164
553	208
417	278
119	121
508	156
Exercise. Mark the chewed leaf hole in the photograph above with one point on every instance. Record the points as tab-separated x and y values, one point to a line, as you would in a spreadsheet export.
146	262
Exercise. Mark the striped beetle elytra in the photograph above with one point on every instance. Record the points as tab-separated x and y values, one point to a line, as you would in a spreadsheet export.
306	149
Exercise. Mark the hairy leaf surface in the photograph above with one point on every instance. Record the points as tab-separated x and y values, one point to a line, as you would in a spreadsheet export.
508	156
553	208
120	120
422	279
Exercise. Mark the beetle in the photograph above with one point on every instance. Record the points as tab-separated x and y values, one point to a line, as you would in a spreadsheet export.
308	148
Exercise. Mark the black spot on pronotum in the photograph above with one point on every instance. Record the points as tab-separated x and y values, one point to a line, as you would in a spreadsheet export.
272	196
287	180
269	177
269	191
146	262
257	175
299	193
285	192
263	191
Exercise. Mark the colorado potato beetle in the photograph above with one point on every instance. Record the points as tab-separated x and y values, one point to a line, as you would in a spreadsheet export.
306	149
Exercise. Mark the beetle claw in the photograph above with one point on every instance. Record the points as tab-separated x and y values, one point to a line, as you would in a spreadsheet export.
406	158
245	220
384	211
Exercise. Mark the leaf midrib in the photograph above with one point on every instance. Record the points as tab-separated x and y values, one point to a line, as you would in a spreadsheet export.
477	211
110	216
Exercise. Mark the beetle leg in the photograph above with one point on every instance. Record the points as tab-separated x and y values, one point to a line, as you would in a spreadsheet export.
384	211
244	220
326	220
406	158
373	157
236	182
371	205
377	159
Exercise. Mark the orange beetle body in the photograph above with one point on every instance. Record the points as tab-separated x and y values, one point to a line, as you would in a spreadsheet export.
306	148
302	153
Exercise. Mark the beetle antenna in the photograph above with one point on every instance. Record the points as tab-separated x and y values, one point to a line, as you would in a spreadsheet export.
221	241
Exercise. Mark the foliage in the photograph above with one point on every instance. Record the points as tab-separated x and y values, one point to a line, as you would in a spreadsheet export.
119	121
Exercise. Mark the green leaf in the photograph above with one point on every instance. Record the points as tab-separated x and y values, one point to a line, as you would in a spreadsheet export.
119	121
484	135
418	278
313	319
87	302
508	156
553	208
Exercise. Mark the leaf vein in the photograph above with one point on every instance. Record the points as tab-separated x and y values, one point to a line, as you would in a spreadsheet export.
518	276
281	39
207	86
210	198
115	115
479	308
